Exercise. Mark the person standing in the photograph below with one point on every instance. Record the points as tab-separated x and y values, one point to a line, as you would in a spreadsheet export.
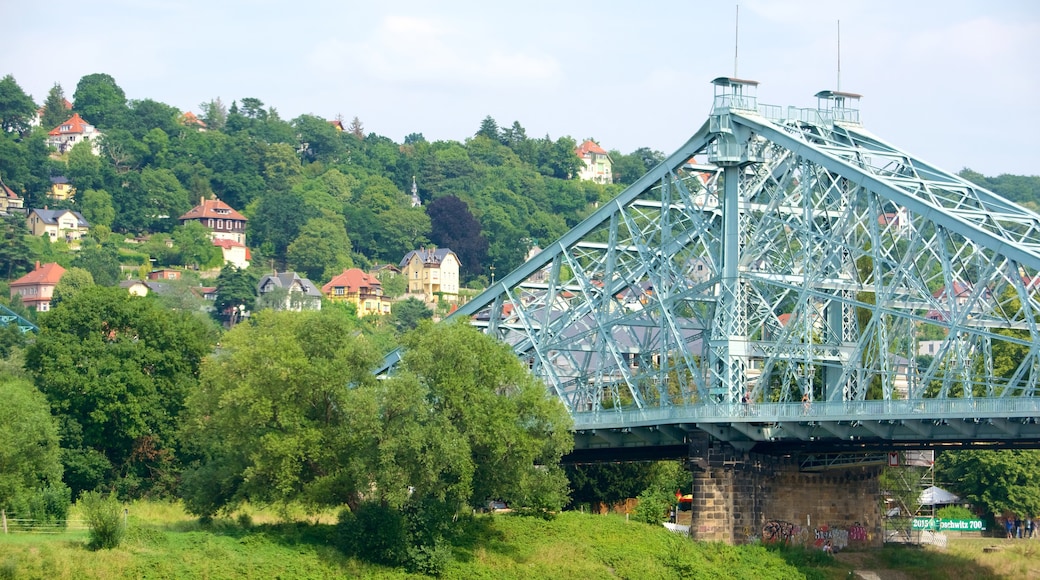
1009	525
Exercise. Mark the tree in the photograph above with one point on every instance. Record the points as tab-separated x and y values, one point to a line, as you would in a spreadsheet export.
488	128
17	109
100	101
97	207
30	455
116	369
408	314
236	293
55	108
291	412
453	226
101	260
356	129
214	114
195	247
15	253
1001	482
72	282
321	250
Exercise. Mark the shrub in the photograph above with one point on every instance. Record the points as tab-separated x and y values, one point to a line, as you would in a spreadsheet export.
374	533
104	515
47	506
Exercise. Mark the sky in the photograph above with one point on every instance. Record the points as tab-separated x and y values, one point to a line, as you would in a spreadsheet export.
944	80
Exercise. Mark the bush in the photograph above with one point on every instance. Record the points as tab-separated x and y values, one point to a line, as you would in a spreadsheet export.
104	515
374	533
47	506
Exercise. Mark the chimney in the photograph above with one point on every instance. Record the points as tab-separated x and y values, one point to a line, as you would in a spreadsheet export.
37	265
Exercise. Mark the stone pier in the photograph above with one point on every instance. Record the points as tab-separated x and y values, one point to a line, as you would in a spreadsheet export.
739	497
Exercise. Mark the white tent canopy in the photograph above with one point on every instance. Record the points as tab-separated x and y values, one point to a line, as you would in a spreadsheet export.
937	496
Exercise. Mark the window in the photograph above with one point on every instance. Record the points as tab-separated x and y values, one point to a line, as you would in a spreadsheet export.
339	291
220	224
210	223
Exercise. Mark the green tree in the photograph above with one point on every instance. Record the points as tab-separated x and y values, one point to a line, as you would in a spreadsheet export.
214	114
101	260
322	249
116	370
55	108
72	282
17	109
15	252
408	314
1000	482
100	101
489	129
30	455
289	411
195	247
97	207
236	293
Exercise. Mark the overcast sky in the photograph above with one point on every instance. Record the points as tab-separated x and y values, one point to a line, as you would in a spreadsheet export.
954	82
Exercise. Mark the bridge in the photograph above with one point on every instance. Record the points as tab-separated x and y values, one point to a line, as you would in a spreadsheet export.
8	317
786	280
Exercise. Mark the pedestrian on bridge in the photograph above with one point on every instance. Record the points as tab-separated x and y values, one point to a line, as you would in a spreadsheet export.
806	404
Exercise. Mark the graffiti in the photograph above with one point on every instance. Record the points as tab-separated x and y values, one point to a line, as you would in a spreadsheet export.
777	531
857	533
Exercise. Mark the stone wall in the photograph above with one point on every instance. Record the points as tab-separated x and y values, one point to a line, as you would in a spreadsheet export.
740	497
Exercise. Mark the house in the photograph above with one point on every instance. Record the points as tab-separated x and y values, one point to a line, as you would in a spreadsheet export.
359	288
300	293
36	121
62	224
188	119
234	253
205	292
223	222
61	189
65	136
897	222
9	200
337	124
164	274
432	273
598	166
135	287
37	287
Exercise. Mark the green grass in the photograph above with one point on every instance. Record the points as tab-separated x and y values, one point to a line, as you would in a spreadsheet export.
164	542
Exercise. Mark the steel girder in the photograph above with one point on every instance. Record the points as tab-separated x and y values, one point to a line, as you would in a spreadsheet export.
8	316
779	259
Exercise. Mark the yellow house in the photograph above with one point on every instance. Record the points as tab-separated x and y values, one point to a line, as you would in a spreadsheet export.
433	273
597	165
59	224
61	188
362	289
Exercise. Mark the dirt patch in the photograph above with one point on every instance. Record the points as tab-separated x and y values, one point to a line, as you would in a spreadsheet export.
865	567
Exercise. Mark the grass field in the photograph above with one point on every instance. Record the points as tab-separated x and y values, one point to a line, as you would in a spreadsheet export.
164	542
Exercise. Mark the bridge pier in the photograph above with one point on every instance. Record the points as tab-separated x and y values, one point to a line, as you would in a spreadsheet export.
739	496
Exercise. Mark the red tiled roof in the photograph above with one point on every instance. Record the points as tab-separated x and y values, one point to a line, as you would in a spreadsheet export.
42	275
209	209
226	243
75	125
589	147
7	191
189	118
352	279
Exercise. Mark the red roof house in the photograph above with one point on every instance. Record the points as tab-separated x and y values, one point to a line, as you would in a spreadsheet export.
37	287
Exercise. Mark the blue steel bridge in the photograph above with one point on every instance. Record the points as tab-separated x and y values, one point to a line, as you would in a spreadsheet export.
785	281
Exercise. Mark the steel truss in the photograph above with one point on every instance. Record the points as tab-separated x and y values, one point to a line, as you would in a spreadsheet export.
780	264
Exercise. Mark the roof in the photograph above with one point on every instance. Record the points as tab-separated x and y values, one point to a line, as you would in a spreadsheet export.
729	81
429	256
838	94
50	216
212	208
937	496
189	118
75	124
7	191
353	279
589	146
227	244
47	274
59	179
286	280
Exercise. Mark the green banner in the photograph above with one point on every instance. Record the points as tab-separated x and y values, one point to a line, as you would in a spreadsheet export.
948	525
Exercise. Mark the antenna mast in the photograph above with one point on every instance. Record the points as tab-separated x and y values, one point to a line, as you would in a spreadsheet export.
839	55
736	42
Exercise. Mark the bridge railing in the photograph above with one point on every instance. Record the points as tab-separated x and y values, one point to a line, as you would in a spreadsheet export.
923	409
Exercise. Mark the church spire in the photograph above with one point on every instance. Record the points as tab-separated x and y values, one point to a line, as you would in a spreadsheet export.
416	202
